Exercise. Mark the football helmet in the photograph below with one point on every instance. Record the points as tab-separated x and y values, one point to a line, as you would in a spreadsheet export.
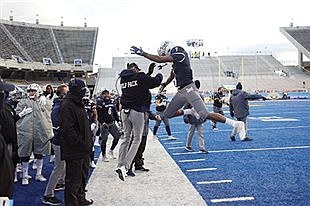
165	48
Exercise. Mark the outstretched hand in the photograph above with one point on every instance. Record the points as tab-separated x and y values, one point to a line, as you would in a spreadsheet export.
151	68
136	50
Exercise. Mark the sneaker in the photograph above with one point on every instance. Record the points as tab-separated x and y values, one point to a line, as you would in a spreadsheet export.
86	202
171	137
28	176
60	186
130	173
233	138
121	171
239	126
141	168
25	181
247	139
15	179
111	154
51	200
105	159
215	129
40	178
203	151
92	164
190	149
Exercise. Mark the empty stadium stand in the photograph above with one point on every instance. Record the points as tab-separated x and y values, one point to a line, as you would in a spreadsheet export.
257	72
34	43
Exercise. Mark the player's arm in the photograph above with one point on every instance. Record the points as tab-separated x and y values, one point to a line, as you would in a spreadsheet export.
157	58
169	79
152	57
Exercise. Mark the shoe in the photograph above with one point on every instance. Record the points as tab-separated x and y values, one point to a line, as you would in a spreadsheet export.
190	149
141	168
130	173
111	154
171	137
59	187
86	202
105	159
203	151
25	181
92	164
239	126
121	171
15	179
215	129
233	138
28	176
247	139
40	178
51	200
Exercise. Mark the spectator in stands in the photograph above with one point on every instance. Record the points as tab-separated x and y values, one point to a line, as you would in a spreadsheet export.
76	143
107	116
161	102
57	178
217	104
33	131
6	163
194	124
135	101
239	108
187	91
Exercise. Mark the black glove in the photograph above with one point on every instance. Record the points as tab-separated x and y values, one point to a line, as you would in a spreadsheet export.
151	69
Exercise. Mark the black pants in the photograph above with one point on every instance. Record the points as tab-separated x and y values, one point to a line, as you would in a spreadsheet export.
75	181
138	160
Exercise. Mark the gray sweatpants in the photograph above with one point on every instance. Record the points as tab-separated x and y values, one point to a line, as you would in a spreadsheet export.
58	173
191	131
132	124
188	94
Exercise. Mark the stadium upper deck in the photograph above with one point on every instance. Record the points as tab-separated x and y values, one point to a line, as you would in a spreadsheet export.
45	52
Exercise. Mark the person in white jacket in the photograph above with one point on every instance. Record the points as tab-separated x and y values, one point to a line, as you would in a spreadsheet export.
33	131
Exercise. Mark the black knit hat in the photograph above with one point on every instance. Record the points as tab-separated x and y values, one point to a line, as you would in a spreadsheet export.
132	65
239	86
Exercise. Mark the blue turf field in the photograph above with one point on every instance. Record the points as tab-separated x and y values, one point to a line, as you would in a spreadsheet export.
271	170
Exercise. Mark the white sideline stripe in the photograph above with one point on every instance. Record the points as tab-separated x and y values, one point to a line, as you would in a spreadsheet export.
260	149
194	160
233	199
214	182
175	148
173	142
201	169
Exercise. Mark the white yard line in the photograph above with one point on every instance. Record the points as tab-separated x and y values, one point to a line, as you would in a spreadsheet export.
214	182
192	160
233	199
201	169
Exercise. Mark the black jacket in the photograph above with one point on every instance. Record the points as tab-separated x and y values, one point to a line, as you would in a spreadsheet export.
135	89
74	131
107	112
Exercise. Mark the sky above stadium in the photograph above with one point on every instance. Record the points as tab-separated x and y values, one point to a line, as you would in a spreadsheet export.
226	26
